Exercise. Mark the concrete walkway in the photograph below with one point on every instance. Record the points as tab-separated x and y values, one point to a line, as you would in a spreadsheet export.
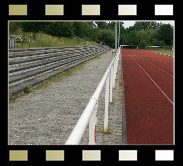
47	116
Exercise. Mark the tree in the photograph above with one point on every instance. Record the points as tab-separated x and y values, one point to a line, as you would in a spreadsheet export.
88	29
31	27
111	25
60	29
102	25
141	35
143	44
78	29
165	33
154	41
95	34
133	39
151	35
131	28
13	26
161	43
107	36
81	28
155	25
124	38
138	26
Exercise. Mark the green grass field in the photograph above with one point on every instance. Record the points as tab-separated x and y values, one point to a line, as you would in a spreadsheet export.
171	53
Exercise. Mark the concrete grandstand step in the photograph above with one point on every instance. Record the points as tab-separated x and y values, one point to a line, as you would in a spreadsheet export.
22	58
38	63
29	50
35	57
33	66
35	81
37	53
17	54
15	79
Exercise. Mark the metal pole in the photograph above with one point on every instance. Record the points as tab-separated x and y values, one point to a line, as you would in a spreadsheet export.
115	68
119	35
115	38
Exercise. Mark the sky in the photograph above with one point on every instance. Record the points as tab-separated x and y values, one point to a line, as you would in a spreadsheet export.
131	23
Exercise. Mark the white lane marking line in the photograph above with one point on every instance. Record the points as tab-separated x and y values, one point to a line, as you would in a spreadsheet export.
161	61
153	81
156	66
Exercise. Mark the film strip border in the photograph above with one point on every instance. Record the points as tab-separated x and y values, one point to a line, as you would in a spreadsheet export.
92	10
28	154
91	155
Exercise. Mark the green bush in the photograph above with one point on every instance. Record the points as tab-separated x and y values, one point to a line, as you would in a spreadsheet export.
143	44
107	36
161	43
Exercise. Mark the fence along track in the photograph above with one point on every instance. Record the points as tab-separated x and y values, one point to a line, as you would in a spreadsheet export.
89	115
34	66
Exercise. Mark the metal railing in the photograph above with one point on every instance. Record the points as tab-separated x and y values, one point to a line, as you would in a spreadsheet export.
89	115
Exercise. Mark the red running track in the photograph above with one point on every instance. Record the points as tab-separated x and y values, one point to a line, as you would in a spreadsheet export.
148	84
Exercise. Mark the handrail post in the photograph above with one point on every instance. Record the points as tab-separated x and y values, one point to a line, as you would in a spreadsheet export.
114	72
106	104
92	126
111	82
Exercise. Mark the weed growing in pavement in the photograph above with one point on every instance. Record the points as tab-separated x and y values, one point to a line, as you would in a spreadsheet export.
27	88
108	131
121	83
11	99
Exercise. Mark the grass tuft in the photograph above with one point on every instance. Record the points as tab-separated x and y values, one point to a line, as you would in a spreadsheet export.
170	53
108	131
28	88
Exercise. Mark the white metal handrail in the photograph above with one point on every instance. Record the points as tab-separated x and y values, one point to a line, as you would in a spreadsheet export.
89	115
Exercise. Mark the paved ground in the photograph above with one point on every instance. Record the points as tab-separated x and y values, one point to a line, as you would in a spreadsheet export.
47	116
